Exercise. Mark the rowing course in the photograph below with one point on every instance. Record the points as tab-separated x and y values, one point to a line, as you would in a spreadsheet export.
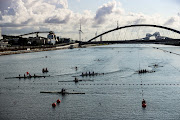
115	94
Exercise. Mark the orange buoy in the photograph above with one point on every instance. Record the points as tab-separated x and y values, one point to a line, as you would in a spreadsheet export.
54	104
58	101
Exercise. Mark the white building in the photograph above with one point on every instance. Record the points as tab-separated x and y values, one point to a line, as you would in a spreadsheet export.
3	44
51	38
37	40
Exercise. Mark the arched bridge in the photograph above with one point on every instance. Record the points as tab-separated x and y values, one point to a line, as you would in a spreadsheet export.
139	25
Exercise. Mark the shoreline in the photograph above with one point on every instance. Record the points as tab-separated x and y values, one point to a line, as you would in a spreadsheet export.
75	45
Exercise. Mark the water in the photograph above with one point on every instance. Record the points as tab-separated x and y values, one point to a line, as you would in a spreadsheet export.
115	95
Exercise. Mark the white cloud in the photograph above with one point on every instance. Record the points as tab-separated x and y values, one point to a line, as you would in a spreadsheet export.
25	12
105	11
58	3
32	15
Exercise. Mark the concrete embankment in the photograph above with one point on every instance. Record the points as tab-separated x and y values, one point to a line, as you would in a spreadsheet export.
70	46
75	45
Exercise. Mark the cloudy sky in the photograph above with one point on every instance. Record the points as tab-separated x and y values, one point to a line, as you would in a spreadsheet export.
64	16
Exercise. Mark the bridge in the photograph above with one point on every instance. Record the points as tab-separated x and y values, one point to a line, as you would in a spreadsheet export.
92	40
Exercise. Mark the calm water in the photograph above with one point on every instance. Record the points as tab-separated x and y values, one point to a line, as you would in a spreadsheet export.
115	95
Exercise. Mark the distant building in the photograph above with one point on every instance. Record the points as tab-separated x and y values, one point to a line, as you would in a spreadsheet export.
37	40
156	36
64	40
51	38
3	44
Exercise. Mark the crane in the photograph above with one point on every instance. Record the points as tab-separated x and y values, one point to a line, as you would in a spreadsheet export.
51	32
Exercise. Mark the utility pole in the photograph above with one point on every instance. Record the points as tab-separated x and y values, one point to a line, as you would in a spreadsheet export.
0	33
117	24
179	23
95	35
80	31
101	38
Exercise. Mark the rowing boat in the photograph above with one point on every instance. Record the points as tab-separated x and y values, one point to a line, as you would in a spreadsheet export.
62	92
25	77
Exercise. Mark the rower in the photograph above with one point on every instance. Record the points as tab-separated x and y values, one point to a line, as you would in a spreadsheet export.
143	101
19	76
75	79
63	91
93	73
30	76
76	68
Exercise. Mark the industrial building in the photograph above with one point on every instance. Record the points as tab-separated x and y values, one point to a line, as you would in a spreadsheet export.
38	40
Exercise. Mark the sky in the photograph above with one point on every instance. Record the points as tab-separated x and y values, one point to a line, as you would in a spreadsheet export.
64	16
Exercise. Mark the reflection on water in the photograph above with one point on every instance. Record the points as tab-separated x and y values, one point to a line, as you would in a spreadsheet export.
115	94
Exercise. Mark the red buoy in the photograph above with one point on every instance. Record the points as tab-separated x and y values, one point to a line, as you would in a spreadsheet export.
58	101
144	105
54	104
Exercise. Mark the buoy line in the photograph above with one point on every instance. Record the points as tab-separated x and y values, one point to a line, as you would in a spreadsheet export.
166	51
175	68
98	84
